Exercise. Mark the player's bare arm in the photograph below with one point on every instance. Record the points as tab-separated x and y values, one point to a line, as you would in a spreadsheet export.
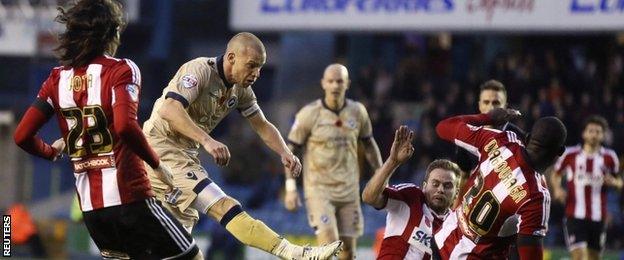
273	139
291	198
371	151
400	152
614	181
530	247
174	113
559	193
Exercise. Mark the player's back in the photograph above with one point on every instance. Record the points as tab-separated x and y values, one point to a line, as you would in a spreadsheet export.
505	197
107	172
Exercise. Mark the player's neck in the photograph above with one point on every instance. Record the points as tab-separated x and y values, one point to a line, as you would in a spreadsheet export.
590	149
334	104
440	213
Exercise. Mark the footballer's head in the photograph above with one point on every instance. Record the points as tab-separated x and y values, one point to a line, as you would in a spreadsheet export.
492	94
441	184
92	28
244	57
335	81
594	130
546	142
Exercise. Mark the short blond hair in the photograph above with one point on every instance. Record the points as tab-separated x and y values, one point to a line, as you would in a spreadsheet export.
445	165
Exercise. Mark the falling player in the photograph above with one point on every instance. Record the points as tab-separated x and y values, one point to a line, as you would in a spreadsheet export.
414	213
507	195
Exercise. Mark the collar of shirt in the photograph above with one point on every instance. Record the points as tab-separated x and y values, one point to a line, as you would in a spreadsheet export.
222	73
337	112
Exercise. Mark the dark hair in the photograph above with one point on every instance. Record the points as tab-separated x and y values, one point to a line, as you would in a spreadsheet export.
91	28
598	120
442	164
493	85
549	134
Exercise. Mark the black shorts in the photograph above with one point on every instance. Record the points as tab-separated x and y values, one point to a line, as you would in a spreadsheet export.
584	233
142	230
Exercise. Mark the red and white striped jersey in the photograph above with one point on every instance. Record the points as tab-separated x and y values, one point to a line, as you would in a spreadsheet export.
506	195
584	175
107	172
410	224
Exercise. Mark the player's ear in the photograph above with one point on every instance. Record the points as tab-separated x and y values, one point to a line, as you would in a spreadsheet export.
231	57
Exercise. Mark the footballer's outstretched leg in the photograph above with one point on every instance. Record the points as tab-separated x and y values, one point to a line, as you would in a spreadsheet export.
255	233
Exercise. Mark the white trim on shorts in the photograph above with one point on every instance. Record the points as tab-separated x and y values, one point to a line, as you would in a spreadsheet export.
176	234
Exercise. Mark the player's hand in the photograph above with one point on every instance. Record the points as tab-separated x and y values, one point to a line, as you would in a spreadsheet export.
612	181
500	116
219	152
560	195
402	148
292	164
164	174
292	201
59	147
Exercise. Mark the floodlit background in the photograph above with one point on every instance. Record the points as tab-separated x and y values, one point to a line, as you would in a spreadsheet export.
411	62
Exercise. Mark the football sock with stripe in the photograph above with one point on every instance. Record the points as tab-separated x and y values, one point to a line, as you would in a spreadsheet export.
250	231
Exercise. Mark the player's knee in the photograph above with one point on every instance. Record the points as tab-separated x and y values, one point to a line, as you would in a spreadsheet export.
208	194
230	214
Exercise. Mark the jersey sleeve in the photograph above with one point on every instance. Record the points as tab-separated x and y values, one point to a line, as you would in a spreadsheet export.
562	162
366	128
125	102
247	103
406	192
467	131
302	127
127	76
44	102
534	216
188	81
612	162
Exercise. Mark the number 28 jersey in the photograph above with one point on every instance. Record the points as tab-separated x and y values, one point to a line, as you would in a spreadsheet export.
506	196
107	171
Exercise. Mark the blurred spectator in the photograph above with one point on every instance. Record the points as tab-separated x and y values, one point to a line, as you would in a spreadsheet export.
24	231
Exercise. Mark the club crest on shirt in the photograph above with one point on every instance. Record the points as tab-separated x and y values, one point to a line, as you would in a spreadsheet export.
133	91
325	219
351	123
232	101
189	81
